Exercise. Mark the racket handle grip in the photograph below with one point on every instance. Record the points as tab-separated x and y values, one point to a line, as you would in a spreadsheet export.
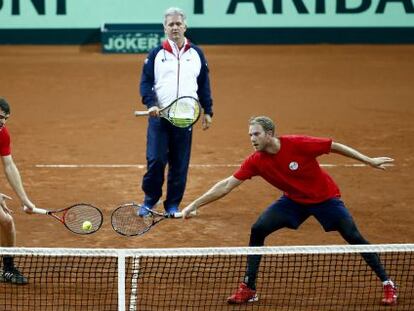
139	113
180	214
40	211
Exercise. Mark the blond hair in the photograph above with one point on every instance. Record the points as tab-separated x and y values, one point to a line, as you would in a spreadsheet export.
265	122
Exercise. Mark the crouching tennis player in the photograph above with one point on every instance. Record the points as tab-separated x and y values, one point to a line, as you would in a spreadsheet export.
289	164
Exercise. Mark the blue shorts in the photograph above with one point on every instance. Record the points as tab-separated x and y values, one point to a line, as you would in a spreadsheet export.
329	213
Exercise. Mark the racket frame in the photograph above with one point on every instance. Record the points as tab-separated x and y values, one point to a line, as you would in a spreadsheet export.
164	111
65	210
154	216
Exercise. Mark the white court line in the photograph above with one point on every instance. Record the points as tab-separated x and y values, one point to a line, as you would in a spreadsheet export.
143	166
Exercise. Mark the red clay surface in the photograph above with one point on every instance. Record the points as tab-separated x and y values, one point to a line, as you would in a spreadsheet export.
73	105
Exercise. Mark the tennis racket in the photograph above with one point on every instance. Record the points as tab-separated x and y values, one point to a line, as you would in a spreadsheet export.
182	112
75	216
126	221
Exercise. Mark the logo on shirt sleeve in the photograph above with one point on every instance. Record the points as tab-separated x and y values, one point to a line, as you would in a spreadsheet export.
293	166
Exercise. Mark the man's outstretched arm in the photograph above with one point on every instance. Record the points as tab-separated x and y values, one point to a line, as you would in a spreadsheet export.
378	162
216	192
15	181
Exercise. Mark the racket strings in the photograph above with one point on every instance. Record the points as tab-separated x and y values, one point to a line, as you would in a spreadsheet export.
125	220
78	214
184	112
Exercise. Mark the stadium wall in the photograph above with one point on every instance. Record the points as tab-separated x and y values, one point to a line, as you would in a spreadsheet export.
214	21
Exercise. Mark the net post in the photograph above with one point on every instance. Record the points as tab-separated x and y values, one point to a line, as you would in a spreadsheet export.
121	280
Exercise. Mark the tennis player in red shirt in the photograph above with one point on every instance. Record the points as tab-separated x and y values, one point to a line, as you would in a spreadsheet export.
289	163
10	273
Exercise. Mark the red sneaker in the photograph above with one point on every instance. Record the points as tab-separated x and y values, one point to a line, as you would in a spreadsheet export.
390	294
243	295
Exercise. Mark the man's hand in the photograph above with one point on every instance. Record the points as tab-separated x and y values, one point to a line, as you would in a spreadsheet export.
3	204
154	111
380	162
28	207
188	209
206	122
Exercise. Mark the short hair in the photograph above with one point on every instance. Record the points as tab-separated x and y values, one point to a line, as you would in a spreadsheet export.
175	11
4	105
266	123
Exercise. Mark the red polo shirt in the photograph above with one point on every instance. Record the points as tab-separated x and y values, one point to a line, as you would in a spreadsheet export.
294	169
5	148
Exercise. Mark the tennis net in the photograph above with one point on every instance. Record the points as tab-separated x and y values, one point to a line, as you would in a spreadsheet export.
290	278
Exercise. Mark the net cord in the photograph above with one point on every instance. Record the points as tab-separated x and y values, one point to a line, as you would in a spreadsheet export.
168	252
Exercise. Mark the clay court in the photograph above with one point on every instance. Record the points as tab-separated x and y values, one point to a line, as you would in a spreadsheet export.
73	105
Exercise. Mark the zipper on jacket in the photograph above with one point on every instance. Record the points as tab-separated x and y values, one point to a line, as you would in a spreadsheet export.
178	74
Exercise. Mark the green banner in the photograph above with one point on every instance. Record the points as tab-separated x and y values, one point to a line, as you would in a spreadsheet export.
130	38
72	14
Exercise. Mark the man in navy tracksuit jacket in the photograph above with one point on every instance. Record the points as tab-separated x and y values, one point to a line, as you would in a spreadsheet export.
175	68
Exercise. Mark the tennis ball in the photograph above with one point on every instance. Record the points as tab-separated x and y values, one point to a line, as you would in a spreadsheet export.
86	226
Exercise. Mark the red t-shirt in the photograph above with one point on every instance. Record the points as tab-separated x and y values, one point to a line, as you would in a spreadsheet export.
294	169
5	149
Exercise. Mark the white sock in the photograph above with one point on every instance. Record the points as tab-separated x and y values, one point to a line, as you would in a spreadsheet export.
388	282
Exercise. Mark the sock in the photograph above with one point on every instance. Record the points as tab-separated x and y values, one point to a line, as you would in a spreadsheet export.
7	262
250	285
388	282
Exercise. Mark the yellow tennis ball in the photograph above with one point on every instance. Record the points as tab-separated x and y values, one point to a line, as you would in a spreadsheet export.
86	226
